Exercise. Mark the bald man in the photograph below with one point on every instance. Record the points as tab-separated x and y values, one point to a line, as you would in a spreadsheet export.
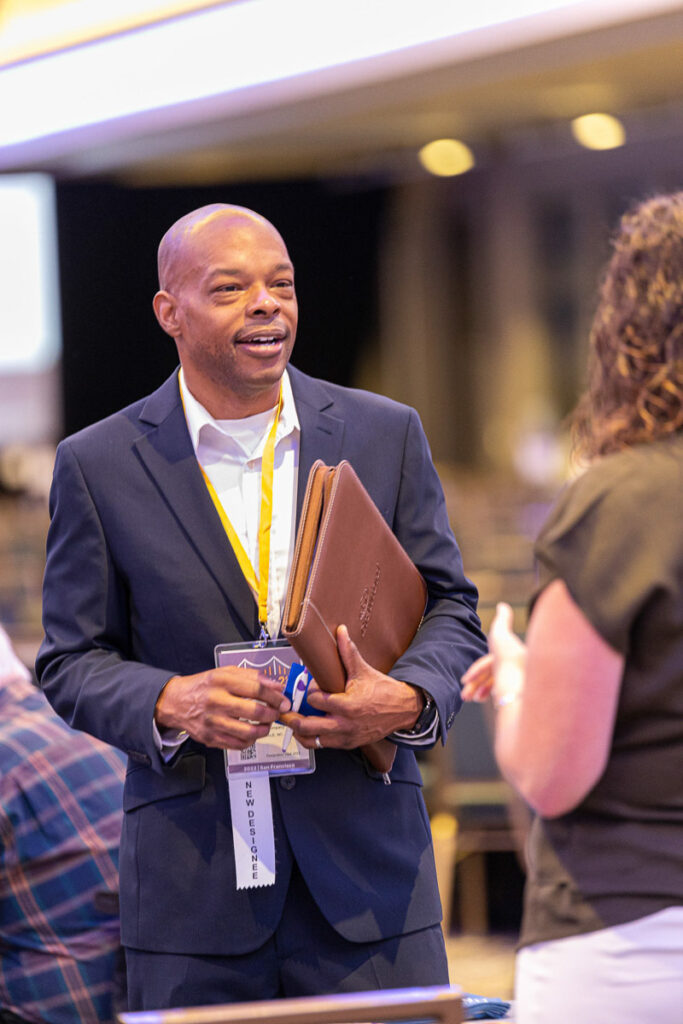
155	556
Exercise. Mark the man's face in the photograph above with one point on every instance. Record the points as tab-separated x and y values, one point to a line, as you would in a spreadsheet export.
231	306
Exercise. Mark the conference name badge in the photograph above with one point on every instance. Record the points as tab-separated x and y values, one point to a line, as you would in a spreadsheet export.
248	771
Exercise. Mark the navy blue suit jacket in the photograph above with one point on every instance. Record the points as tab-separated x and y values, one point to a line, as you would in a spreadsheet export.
140	585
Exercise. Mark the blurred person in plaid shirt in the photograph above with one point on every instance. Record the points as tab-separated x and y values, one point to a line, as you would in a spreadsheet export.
60	826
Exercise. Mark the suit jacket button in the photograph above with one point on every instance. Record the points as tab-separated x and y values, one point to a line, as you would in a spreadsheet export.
288	782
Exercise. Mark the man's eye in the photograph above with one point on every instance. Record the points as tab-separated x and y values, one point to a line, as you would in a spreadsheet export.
227	288
284	284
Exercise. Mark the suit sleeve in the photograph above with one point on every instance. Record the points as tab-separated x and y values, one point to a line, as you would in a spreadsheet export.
84	665
450	637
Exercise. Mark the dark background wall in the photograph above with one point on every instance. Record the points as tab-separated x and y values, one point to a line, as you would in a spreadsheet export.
114	350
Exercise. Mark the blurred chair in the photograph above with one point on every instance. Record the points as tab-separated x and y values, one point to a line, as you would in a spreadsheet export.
495	517
445	838
441	1004
463	781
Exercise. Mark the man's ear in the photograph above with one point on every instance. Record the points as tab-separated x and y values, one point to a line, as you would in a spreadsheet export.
165	309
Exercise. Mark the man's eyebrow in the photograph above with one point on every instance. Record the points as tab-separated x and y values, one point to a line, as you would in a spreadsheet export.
225	272
238	271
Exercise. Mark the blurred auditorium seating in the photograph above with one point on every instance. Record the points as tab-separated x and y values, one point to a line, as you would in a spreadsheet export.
495	519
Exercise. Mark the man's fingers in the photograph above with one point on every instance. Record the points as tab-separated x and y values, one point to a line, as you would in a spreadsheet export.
264	708
222	707
248	684
232	733
316	697
349	653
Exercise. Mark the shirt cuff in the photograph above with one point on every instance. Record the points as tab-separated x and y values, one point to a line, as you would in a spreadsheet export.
168	743
422	739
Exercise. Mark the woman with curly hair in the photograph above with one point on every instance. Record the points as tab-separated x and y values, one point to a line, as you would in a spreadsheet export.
589	726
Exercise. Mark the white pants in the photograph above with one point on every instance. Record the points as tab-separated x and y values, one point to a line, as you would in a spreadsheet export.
631	974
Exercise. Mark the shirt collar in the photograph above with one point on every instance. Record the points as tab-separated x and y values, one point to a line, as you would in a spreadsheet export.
198	417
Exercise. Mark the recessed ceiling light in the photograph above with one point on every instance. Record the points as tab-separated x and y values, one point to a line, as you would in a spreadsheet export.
598	131
446	157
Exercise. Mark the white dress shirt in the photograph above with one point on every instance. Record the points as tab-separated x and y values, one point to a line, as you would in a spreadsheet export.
231	452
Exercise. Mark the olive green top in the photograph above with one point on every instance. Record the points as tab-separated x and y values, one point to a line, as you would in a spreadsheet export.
615	537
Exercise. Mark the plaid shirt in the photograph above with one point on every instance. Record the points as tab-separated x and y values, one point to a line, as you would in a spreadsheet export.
60	825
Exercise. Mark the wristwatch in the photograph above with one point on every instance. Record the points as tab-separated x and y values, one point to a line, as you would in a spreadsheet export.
426	716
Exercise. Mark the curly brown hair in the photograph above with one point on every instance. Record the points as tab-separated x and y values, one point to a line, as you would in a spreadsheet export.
635	364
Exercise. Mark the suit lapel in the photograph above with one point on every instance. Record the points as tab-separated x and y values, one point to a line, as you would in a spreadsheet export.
167	453
322	432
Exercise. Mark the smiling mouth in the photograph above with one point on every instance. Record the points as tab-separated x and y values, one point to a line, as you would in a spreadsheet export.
261	339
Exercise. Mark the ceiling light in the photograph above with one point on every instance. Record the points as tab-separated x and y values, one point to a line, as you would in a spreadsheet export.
598	131
446	157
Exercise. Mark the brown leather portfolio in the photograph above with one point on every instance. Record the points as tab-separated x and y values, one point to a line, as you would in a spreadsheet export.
349	568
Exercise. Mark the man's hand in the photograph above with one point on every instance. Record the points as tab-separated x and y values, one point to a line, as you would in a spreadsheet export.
371	707
225	707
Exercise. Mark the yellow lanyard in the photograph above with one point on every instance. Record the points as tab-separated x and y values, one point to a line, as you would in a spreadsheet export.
260	585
